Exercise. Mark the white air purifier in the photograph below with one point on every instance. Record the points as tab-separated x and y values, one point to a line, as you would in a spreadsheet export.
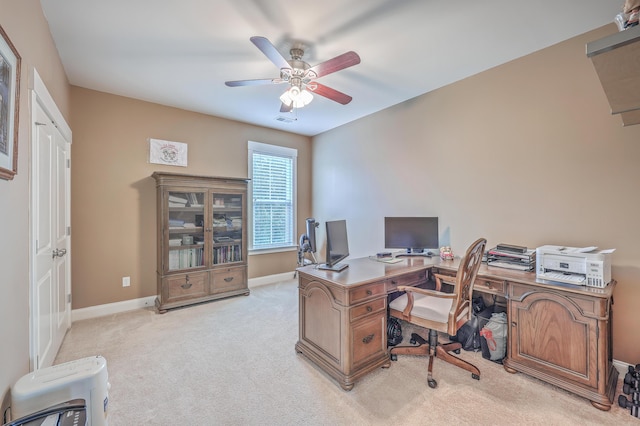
84	378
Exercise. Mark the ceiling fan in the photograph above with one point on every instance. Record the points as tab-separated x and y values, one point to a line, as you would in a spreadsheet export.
300	75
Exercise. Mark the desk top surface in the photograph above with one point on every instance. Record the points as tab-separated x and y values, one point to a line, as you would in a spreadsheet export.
365	270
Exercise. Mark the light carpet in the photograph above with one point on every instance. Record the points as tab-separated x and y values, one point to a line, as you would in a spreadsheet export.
233	362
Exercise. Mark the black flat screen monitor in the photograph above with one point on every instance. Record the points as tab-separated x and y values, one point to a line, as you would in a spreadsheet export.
337	245
415	234
311	233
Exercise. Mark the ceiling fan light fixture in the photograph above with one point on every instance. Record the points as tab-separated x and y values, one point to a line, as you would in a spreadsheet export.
296	98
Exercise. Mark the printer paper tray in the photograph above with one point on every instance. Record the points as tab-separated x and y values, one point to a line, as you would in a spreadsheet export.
564	278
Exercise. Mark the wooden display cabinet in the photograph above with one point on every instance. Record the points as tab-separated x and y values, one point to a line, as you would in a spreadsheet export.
202	239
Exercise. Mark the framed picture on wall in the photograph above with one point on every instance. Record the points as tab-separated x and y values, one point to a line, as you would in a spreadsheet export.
9	106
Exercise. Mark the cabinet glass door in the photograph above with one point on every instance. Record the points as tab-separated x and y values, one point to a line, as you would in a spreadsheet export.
186	230
227	228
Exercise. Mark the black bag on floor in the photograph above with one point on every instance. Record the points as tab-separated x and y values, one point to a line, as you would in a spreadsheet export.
469	334
394	331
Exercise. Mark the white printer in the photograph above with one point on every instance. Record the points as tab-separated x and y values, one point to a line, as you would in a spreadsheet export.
572	265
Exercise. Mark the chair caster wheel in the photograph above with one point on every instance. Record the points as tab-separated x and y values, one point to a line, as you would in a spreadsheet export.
432	383
475	376
394	357
412	341
457	352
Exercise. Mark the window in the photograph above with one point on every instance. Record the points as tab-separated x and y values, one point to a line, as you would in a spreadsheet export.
272	170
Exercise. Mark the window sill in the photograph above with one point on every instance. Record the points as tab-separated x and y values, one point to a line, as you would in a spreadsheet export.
272	250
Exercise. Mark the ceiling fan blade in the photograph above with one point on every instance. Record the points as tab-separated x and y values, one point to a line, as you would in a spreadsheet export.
338	63
270	51
286	108
254	82
329	93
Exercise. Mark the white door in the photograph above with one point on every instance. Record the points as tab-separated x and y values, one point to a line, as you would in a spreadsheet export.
50	283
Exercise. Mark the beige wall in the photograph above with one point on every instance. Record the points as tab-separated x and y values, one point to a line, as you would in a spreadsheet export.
27	29
525	153
113	204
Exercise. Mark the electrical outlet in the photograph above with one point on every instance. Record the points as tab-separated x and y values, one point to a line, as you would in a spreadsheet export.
126	281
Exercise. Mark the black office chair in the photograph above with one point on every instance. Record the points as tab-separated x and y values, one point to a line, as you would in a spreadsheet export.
440	312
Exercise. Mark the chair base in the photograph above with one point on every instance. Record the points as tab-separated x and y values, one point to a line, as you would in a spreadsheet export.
433	349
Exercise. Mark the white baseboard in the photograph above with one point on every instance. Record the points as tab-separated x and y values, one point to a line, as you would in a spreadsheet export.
622	367
145	302
112	308
271	279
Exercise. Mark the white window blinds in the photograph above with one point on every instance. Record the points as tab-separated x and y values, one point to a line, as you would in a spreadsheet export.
273	175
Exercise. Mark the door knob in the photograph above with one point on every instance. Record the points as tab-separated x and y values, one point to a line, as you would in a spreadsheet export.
58	253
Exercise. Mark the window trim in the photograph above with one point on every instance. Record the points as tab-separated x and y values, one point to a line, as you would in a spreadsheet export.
273	150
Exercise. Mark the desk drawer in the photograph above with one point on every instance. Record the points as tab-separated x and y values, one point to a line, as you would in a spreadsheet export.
365	292
486	285
412	279
369	340
365	309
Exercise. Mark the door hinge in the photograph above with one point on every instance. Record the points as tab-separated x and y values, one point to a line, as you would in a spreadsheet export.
68	163
68	231
69	298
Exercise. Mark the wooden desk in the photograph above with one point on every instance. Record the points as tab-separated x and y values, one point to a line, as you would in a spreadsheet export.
558	333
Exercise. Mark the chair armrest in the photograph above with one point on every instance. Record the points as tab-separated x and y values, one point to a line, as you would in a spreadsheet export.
426	292
447	279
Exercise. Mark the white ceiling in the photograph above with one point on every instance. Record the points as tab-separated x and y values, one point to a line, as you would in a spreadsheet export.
180	52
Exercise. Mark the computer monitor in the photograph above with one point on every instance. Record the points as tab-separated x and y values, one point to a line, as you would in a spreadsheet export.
337	245
311	233
415	234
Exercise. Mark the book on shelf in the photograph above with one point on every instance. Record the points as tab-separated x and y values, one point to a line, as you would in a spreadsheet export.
178	199
225	254
174	259
187	258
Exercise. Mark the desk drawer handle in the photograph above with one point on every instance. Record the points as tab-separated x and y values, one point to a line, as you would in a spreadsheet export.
369	309
228	279
369	292
367	339
488	284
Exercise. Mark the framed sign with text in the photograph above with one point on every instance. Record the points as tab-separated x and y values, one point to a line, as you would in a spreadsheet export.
167	152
